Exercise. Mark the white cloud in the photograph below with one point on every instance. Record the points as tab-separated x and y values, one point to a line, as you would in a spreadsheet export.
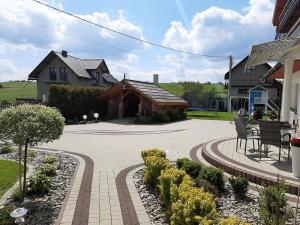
9	71
218	31
26	22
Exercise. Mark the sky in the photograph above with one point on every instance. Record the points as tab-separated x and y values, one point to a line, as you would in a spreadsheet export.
29	31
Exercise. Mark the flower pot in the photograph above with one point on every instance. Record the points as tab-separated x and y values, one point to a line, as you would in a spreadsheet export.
296	161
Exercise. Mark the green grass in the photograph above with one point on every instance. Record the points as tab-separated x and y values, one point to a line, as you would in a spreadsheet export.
209	115
9	171
179	89
17	89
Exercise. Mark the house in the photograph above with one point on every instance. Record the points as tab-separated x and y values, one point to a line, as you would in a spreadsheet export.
242	80
286	51
131	98
61	68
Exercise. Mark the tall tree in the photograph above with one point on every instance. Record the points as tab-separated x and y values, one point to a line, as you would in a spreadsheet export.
29	125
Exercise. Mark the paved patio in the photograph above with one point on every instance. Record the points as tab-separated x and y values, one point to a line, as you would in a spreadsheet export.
115	150
116	146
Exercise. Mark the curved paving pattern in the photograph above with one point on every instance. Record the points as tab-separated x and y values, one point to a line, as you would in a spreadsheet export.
81	213
236	168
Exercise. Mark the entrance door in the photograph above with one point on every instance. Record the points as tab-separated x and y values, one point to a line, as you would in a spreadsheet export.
131	105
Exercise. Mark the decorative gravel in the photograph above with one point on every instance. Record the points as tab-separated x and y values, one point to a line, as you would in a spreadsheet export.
150	199
227	204
45	210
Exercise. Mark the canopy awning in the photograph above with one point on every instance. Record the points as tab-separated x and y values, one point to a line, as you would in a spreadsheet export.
272	51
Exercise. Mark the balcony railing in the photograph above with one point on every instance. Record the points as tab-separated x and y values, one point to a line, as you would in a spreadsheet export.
280	36
289	15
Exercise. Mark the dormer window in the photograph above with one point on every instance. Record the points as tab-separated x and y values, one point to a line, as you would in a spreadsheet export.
63	76
52	74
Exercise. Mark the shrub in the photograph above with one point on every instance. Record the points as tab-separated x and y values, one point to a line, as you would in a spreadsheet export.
153	152
169	177
48	169
173	115
194	206
6	148
74	101
1	86
5	102
31	153
16	194
182	115
5	217
50	159
206	186
39	184
181	162
257	115
274	209
154	166
239	186
214	176
233	220
160	117
273	115
192	168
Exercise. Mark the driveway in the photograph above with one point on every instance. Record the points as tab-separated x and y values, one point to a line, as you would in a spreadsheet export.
115	146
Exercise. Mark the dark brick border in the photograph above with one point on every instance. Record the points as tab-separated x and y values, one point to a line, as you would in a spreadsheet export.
81	214
232	169
127	207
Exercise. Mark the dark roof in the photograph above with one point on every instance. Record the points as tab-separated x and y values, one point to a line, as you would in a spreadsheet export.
226	77
109	78
79	66
155	92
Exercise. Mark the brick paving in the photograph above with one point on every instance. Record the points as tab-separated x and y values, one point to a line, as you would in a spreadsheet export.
114	147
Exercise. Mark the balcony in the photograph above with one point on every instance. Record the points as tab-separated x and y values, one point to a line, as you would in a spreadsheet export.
289	16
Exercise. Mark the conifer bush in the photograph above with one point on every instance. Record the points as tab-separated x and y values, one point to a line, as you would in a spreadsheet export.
154	166
153	152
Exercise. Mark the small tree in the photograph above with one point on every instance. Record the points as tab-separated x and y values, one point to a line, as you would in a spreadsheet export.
28	125
274	209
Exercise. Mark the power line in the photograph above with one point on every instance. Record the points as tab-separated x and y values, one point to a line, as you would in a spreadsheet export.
127	35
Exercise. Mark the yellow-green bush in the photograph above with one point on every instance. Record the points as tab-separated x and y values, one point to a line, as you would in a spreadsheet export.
153	152
169	177
233	220
192	205
154	166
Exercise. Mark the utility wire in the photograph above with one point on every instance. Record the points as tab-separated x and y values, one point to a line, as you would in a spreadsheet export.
127	35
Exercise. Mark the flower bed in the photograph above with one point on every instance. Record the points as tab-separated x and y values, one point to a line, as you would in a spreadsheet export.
193	193
44	209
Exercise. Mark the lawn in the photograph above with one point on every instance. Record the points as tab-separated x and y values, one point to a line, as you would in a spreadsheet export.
9	171
17	89
209	115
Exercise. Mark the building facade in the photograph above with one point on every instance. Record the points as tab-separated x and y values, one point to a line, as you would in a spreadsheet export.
61	68
242	80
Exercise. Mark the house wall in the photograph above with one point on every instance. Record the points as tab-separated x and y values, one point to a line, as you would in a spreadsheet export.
44	79
295	98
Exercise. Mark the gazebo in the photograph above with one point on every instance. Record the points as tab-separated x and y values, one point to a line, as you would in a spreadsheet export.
131	98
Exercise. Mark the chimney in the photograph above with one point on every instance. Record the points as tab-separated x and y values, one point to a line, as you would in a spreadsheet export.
155	79
64	53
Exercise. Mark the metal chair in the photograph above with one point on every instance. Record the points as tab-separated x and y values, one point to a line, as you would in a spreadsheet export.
244	133
270	134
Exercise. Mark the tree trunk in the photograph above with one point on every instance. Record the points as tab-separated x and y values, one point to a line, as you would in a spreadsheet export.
25	170
20	168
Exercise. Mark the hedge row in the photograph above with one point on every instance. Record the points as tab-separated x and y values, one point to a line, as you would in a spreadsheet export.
186	204
74	102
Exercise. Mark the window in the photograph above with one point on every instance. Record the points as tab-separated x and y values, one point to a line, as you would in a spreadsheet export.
52	73
248	70
98	77
242	91
63	74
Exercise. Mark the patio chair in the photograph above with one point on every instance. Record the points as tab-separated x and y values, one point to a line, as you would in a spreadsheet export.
243	133
270	134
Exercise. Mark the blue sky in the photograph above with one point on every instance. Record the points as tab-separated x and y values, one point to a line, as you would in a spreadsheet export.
29	31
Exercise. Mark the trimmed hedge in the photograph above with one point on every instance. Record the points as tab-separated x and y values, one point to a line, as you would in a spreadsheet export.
168	116
74	102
